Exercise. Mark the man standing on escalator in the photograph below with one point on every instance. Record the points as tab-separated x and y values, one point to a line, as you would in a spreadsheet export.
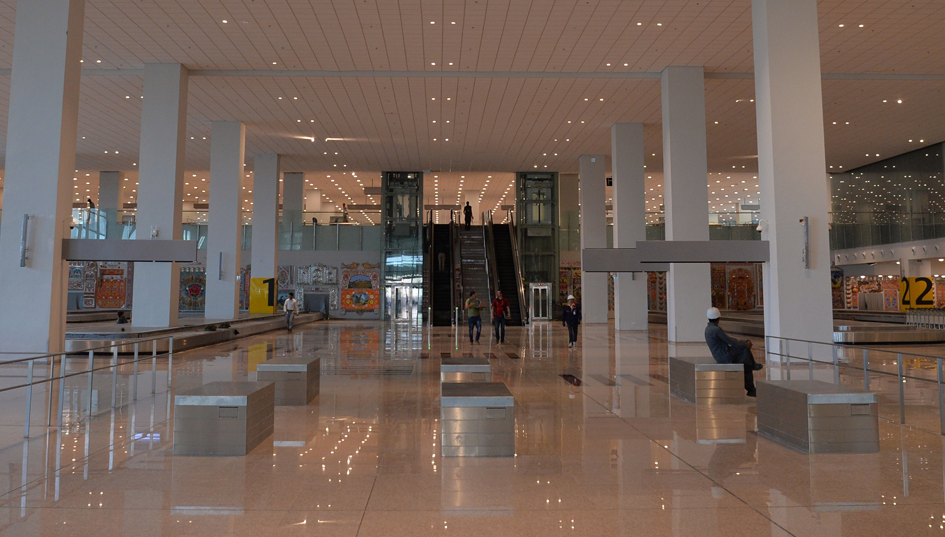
467	215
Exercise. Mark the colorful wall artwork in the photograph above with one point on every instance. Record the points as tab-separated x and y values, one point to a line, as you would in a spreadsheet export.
360	288
656	291
741	288
110	292
193	288
836	287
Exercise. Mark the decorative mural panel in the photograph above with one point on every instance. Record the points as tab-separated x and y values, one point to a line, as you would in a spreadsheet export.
741	288
76	276
888	286
111	287
193	288
719	298
360	288
836	287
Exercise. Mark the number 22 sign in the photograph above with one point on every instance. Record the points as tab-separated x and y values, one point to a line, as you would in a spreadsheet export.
916	293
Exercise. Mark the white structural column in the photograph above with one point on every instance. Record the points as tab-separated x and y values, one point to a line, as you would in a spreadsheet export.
313	202
685	171
160	187
265	251
226	219
791	168
40	164
293	197
109	202
630	304
594	306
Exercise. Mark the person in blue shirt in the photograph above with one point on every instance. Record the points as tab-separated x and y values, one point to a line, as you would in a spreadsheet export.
728	350
571	317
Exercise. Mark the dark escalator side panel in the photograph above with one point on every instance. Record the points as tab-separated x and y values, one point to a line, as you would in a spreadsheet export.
505	263
442	275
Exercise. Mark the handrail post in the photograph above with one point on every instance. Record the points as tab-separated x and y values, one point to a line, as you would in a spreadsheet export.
902	394
153	366
170	360
91	373
810	360
62	385
788	361
866	370
49	389
941	396
29	399
114	375
134	376
836	365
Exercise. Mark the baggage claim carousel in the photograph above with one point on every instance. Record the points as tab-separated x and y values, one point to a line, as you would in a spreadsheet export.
849	327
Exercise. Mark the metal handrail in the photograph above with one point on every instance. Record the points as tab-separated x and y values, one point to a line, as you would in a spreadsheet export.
50	358
492	269
837	350
519	280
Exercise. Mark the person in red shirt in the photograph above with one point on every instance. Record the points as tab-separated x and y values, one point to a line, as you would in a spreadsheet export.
500	311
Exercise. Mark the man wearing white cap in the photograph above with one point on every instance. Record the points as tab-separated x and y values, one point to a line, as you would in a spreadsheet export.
728	350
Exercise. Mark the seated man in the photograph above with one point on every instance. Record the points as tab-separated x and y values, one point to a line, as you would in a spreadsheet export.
727	350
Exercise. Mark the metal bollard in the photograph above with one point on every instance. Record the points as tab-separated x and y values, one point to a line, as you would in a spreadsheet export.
153	366
941	396
810	360
62	386
788	358
836	365
902	393
134	376
29	399
114	375
91	373
866	370
170	361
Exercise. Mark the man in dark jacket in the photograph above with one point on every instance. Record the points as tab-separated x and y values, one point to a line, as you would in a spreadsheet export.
467	215
728	350
571	317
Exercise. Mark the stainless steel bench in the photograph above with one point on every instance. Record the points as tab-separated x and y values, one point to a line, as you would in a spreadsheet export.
223	418
478	419
701	380
819	417
297	379
465	370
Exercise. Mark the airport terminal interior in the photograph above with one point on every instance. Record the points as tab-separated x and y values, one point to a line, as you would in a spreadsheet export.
479	267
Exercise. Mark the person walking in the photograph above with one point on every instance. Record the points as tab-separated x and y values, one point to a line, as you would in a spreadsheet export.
571	317
500	312
290	306
467	215
472	314
728	350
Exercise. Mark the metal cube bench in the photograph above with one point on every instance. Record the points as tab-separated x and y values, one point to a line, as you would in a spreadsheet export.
478	420
223	418
700	380
819	417
297	379
465	370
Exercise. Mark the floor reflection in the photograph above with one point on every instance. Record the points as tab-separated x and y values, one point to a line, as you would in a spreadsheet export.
612	454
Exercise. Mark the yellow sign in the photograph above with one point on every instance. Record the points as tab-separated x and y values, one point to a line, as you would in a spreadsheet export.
262	295
257	354
916	293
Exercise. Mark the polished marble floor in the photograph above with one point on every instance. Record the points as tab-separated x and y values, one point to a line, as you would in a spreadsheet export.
615	455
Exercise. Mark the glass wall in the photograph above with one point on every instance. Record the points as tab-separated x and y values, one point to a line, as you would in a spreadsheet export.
899	199
537	226
402	245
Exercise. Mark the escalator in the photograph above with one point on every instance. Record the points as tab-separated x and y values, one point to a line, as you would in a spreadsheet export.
442	286
505	261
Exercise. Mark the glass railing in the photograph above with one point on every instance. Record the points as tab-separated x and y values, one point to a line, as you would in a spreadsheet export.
862	229
325	230
734	226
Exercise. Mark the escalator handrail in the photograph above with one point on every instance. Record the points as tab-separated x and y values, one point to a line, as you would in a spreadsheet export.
492	268
519	281
455	286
